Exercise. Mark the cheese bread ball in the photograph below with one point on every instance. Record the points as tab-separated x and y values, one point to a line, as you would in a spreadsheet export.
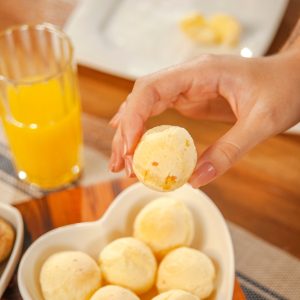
114	292
196	28
227	28
187	269
130	263
7	237
69	275
218	29
175	295
165	158
164	224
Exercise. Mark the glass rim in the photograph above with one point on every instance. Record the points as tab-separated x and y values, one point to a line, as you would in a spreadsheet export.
39	26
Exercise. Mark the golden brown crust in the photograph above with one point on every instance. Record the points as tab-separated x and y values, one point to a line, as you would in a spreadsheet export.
7	237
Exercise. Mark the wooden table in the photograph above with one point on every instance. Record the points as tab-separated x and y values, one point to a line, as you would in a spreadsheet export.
260	193
68	207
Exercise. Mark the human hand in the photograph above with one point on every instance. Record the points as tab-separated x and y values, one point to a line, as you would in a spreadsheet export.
262	96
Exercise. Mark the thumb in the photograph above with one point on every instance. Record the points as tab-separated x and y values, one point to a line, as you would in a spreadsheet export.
220	156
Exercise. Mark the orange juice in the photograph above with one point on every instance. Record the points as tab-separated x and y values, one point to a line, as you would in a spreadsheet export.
44	131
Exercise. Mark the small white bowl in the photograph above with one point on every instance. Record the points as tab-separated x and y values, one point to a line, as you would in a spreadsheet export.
212	237
12	216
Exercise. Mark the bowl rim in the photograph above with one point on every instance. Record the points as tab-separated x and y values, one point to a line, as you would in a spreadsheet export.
105	218
16	222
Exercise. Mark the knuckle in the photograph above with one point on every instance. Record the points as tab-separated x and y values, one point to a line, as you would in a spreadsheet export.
274	117
271	118
207	58
146	86
229	151
138	82
142	82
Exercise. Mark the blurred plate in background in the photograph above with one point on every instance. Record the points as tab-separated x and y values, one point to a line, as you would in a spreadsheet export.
132	38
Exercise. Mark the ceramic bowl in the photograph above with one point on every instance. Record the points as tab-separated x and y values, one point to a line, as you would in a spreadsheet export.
12	216
212	237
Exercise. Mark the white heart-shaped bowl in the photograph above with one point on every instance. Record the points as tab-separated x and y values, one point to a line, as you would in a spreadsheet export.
13	216
212	237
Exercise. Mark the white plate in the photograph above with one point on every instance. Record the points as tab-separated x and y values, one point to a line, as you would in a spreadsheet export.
212	237
13	216
131	38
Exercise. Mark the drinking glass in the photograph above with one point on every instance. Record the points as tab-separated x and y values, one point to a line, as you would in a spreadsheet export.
39	104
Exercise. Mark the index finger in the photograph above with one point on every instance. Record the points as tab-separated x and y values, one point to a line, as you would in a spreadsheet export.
150	96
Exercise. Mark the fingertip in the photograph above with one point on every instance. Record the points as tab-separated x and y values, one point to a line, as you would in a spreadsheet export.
116	161
119	167
128	166
111	164
203	174
116	166
193	181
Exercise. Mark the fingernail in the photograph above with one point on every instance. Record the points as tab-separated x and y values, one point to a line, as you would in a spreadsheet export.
129	140
203	175
128	166
112	162
125	148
